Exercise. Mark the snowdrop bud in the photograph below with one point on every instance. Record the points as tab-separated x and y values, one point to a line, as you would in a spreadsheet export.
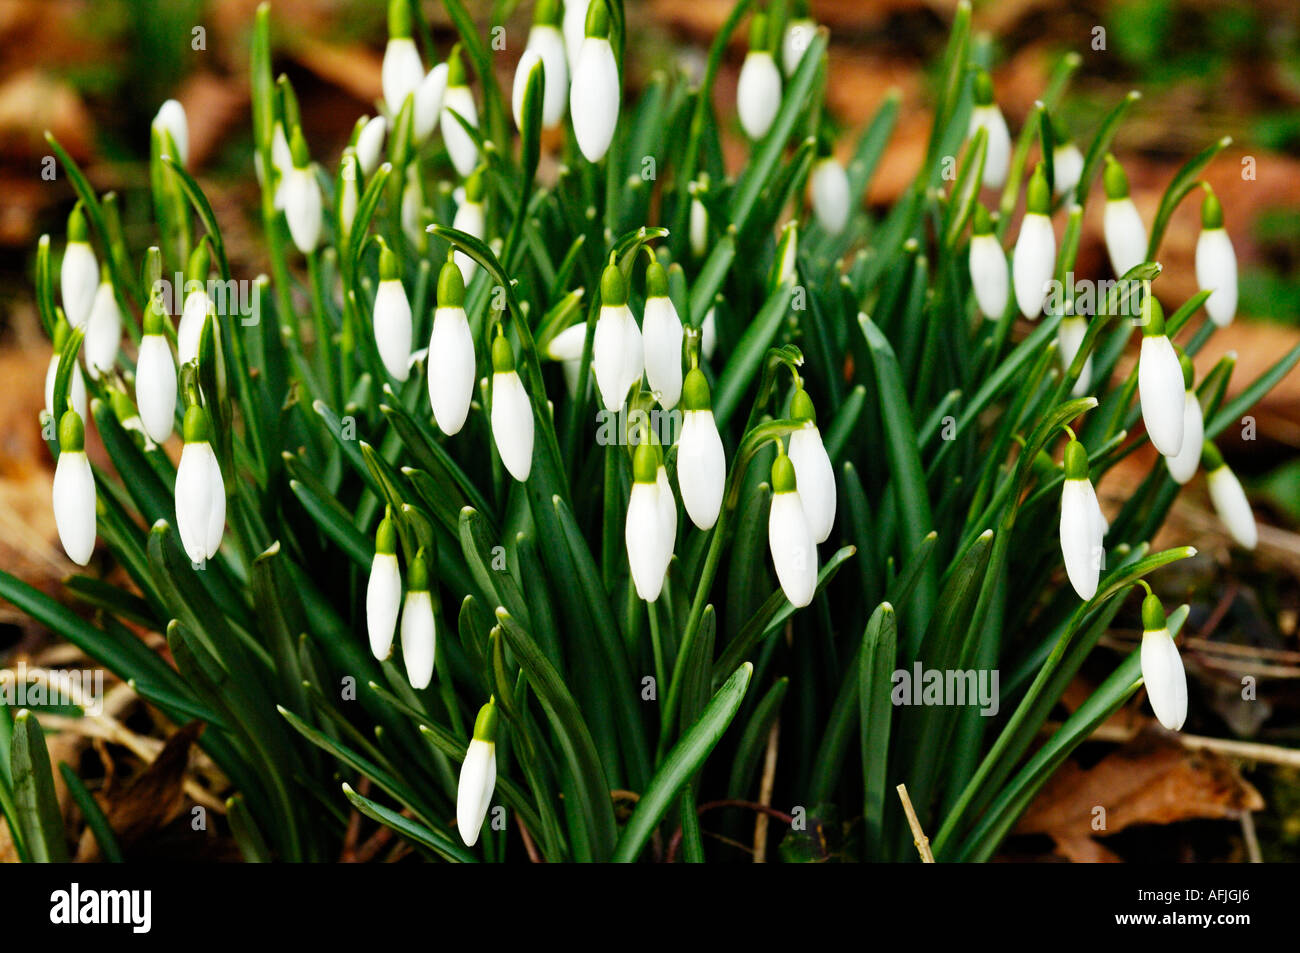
429	96
451	354
171	120
989	274
701	461
471	220
662	335
458	99
1182	466
1162	667
198	305
530	58
812	468
699	227
797	37
1216	263
478	775
200	490
986	115
709	334
419	631
76	384
758	92
644	532
1160	381
574	26
1067	165
370	144
830	193
74	491
384	591
79	273
103	329
1069	336
512	413
1081	523
616	350
302	199
545	42
281	163
595	91
349	194
1229	498
155	376
566	347
794	552
402	70
392	318
1126	236
1034	259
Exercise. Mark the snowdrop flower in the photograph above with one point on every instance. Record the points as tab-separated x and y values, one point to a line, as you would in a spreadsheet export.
1229	498
302	199
986	115
1216	263
1069	337
617	349
419	630
471	220
79	273
595	91
830	192
574	26
989	275
1067	164
429	96
171	121
1160	381
709	334
155	376
1034	259
451	354
76	384
649	550
699	224
74	491
402	70
200	489
281	163
103	329
662	333
349	195
198	305
798	35
812	467
566	347
370	144
512	412
1126	236
1082	526
478	775
1162	667
794	552
458	99
545	43
383	591
1182	465
392	318
701	461
758	92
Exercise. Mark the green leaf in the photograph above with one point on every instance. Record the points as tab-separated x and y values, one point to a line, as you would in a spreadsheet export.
1183	182
40	822
875	668
436	841
93	813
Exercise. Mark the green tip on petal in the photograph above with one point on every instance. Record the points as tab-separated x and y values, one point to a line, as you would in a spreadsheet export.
72	433
758	33
1211	210
598	20
983	88
485	725
77	224
196	428
388	270
695	391
503	356
783	480
1114	179
61	331
399	19
474	186
1076	461
455	69
123	409
656	280
1211	459
1153	614
547	12
417	574
298	149
451	286
801	406
1038	197
613	287
386	538
983	224
154	316
1153	316
1189	371
645	463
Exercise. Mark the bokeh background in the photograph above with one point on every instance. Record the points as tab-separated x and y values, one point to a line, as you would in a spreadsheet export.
95	71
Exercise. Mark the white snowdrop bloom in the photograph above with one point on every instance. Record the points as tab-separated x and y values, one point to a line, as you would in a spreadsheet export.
392	318
574	27
383	591
701	460
451	354
812	468
402	70
472	220
512	412
798	35
171	119
758	91
830	194
989	273
1067	166
1229	498
1160	381
370	144
200	490
596	90
419	630
103	330
617	353
661	331
412	211
429	96
1162	667
699	227
349	195
986	115
1081	524
1126	236
648	552
1182	465
709	334
155	376
527	61
1069	336
302	199
1034	259
566	347
197	308
1216	263
281	163
545	43
79	273
459	100
794	552
74	491
478	776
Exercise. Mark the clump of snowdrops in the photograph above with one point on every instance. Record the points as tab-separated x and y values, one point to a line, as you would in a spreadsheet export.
534	509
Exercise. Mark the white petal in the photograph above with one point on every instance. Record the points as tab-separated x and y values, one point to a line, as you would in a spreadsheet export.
194	499
816	480
568	344
478	778
383	600
74	506
1032	263
428	102
997	154
418	637
610	350
1182	465
643	536
633	352
594	97
794	43
78	282
1067	166
793	551
1126	236
1069	336
393	328
526	62
662	339
370	144
549	43
512	424
1080	537
197	305
701	467
460	145
469	219
1160	389
758	93
1233	507
1166	682
155	387
708	335
217	507
699	228
451	369
830	195
989	275
1216	270
171	118
667	517
574	25
401	72
103	332
302	208
281	154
